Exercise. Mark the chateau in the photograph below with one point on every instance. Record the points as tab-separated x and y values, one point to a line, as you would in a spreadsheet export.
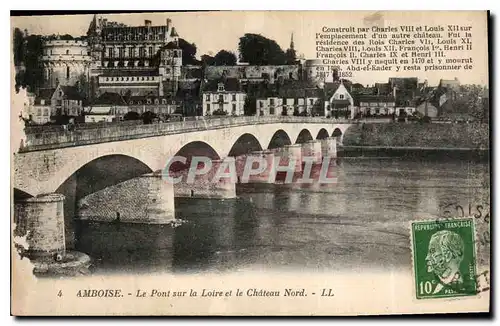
128	60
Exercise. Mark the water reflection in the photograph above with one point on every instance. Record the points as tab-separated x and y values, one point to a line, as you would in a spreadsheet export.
361	221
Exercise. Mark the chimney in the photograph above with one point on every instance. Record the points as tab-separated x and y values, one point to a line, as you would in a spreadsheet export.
169	22
394	89
147	23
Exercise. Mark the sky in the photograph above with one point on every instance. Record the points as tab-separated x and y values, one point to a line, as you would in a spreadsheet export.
214	31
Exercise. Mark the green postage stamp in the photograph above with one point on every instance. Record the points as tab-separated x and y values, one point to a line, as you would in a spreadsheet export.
444	258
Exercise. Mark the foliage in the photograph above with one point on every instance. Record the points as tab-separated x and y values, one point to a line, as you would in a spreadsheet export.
132	115
225	58
188	52
148	117
219	112
207	60
18	45
470	100
249	108
256	49
28	50
291	56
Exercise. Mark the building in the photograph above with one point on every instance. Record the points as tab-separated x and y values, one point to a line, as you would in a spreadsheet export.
137	59
37	109
65	62
107	108
427	108
223	97
66	101
292	98
339	102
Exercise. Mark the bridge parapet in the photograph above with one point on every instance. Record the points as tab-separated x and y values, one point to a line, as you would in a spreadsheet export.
51	138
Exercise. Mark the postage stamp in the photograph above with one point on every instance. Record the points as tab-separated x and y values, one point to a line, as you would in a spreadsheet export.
444	258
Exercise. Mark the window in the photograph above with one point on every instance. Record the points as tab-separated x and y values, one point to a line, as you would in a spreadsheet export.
42	102
67	72
39	112
271	110
341	96
271	101
131	102
142	52
207	97
221	98
150	51
311	101
121	53
261	104
149	101
377	111
234	97
164	101
131	52
110	52
221	88
46	112
157	101
208	108
234	107
67	51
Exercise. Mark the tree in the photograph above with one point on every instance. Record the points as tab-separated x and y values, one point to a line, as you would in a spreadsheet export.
131	115
470	99
83	86
188	52
291	56
207	60
219	112
18	44
259	50
225	58
249	108
32	77
148	117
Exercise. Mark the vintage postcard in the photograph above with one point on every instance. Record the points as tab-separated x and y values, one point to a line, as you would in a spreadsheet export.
250	163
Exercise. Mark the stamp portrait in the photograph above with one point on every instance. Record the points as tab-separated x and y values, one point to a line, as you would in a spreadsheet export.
444	258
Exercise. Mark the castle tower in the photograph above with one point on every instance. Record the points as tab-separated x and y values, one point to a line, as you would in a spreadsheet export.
65	62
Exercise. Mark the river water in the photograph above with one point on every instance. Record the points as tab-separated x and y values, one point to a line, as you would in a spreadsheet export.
360	222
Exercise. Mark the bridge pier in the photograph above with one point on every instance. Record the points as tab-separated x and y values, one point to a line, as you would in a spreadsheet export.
147	199
329	147
288	153
41	220
205	185
312	149
257	156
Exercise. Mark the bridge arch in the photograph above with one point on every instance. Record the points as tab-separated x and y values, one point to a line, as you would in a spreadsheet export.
322	134
279	139
304	136
194	148
245	144
99	173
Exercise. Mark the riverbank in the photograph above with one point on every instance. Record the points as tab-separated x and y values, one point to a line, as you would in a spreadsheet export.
415	136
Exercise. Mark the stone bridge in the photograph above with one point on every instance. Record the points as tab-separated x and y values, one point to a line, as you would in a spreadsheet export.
61	174
48	159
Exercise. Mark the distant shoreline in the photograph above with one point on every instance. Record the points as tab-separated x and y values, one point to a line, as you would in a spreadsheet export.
411	148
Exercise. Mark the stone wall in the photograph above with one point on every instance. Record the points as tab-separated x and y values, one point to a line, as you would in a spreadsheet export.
253	72
146	199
